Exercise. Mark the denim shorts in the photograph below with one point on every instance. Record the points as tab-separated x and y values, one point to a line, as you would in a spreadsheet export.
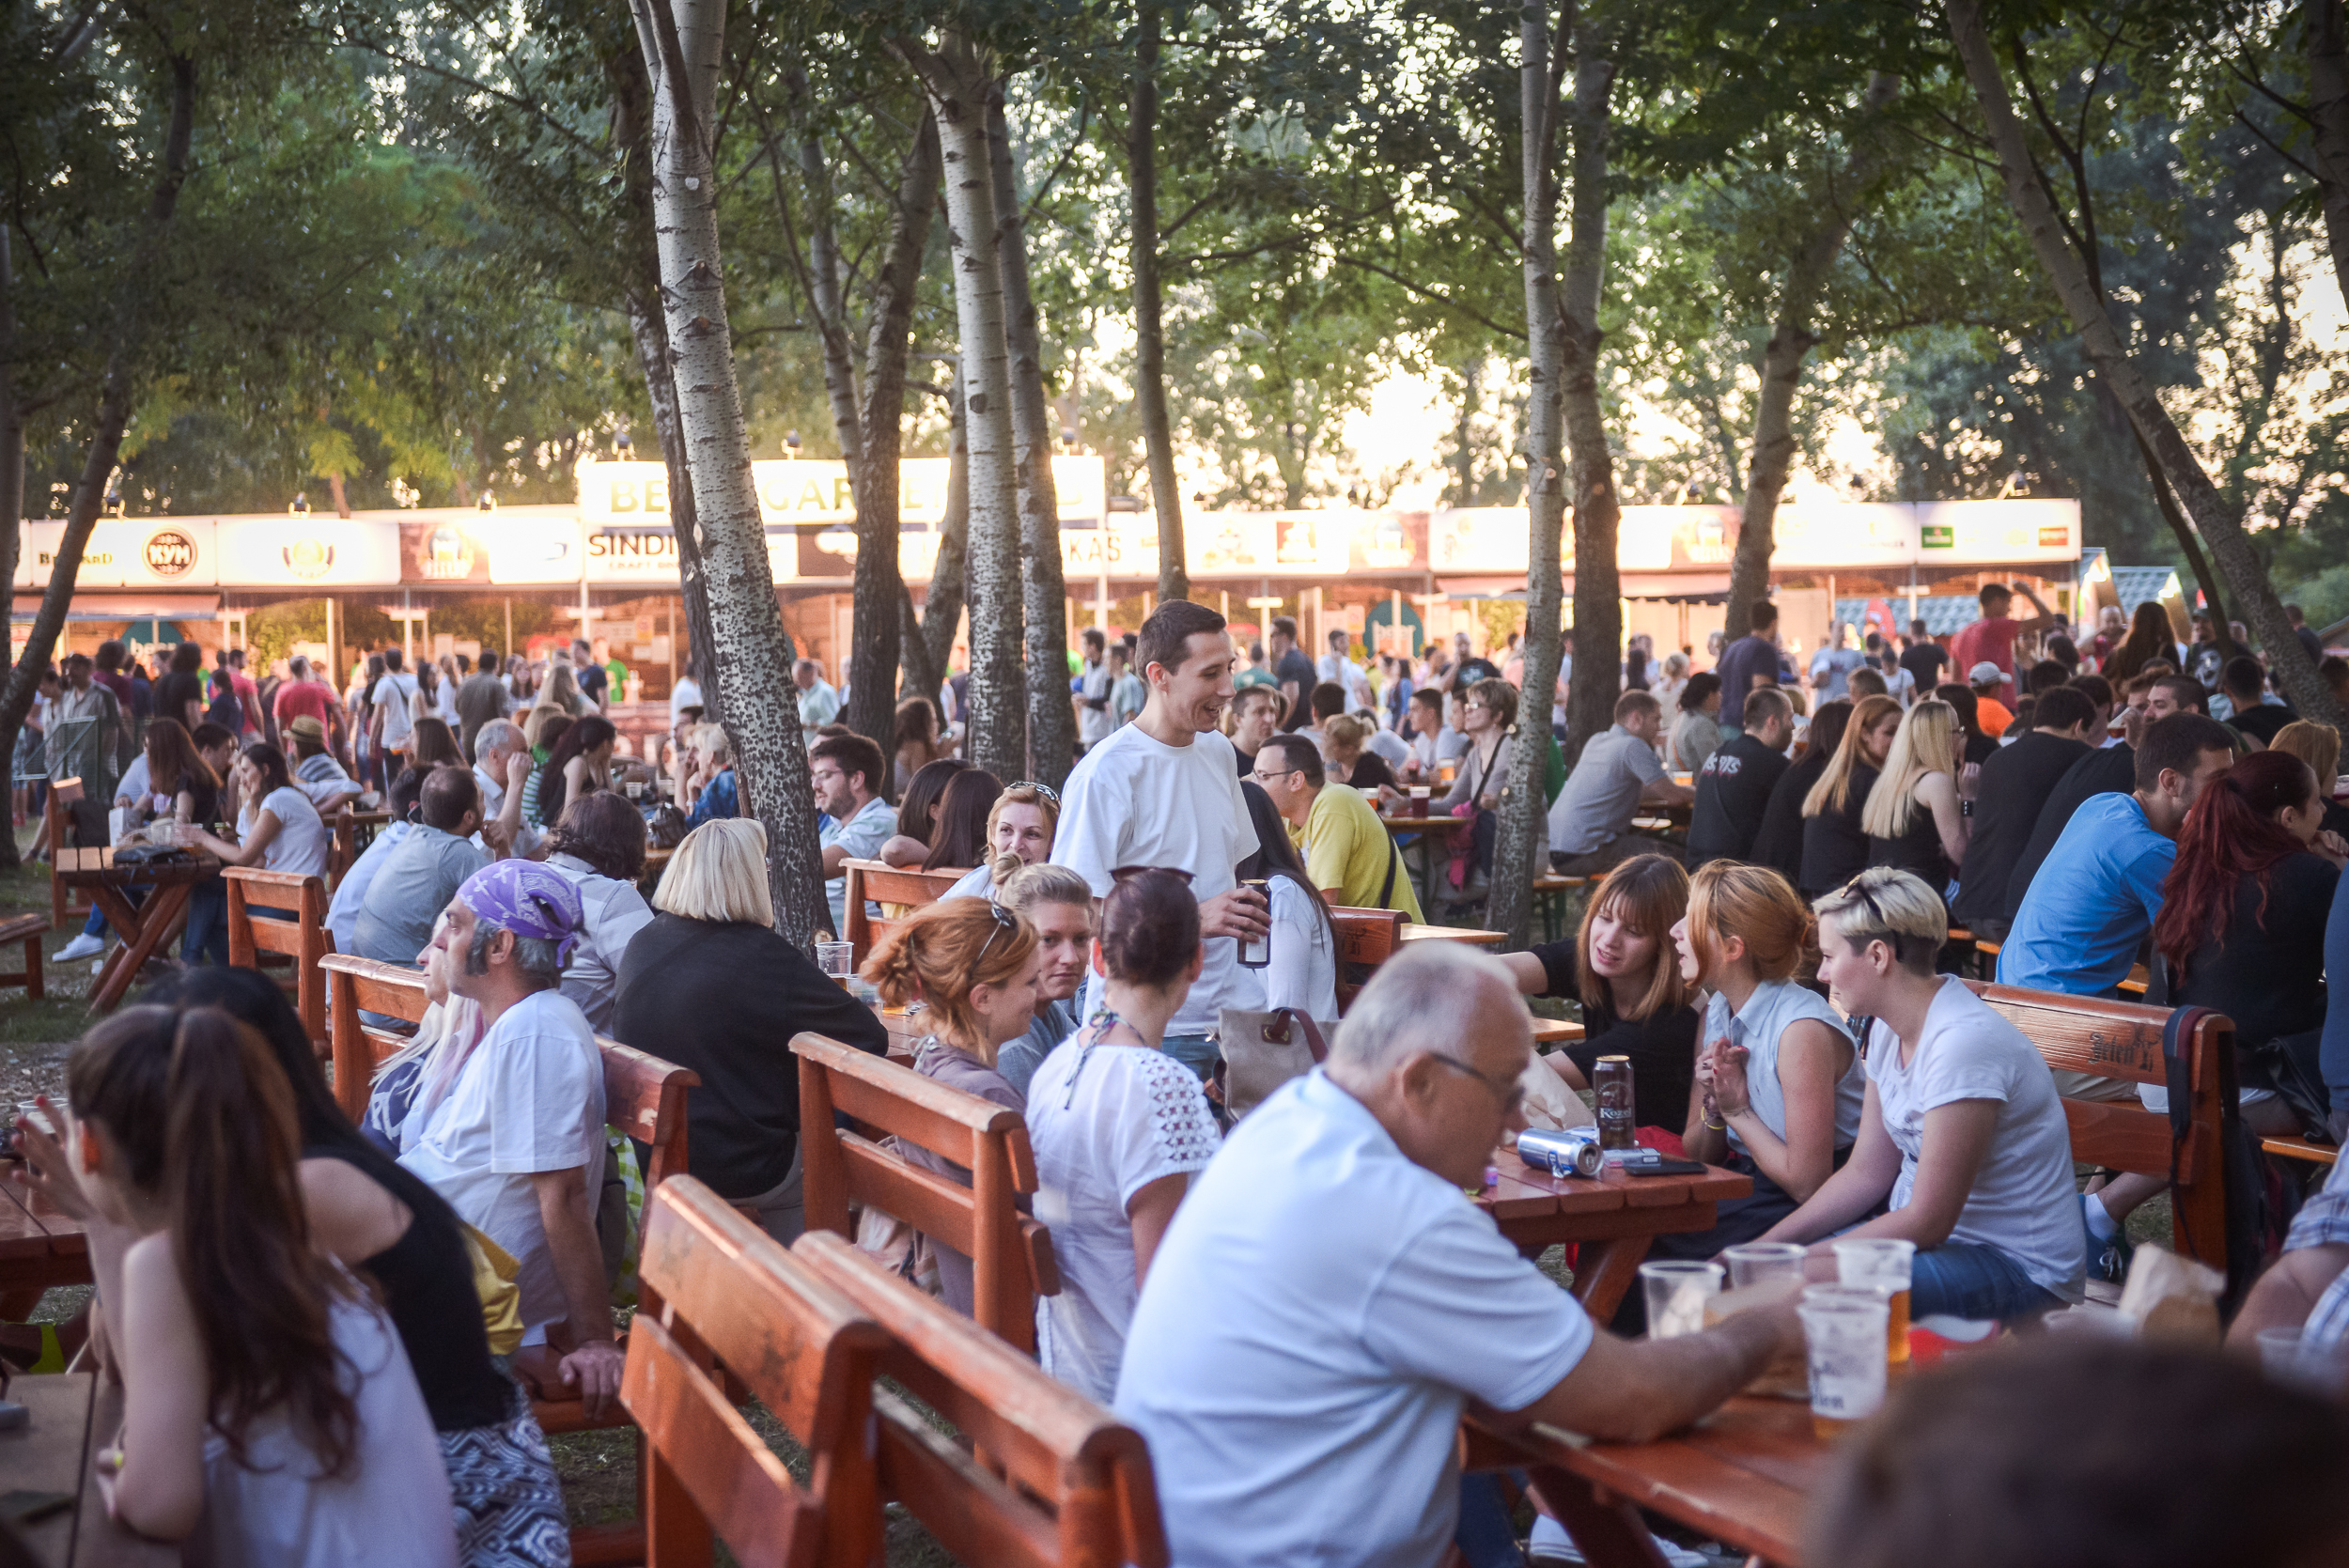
1971	1280
1196	1051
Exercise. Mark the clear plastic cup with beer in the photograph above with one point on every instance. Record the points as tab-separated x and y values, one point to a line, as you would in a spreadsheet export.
1676	1295
1753	1262
1883	1263
837	960
1842	1332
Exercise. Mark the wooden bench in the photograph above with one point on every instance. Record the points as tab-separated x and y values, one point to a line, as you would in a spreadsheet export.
731	1295
2300	1148
872	881
1365	937
1011	1255
2122	1040
300	935
344	827
28	929
1056	1481
58	828
1550	895
367	985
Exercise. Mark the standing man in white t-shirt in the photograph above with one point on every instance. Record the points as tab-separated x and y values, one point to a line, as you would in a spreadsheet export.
394	726
514	1138
1164	791
1093	688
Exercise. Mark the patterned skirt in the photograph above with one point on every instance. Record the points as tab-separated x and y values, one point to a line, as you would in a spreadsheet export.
509	1506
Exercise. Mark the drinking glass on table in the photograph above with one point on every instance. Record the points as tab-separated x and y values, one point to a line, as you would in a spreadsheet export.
837	960
1753	1262
1676	1295
1883	1263
1842	1331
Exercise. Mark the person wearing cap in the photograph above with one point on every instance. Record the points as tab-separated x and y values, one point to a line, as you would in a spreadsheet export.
316	772
1992	715
513	1131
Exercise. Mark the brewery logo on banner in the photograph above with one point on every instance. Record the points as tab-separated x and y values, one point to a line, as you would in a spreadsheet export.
170	553
307	558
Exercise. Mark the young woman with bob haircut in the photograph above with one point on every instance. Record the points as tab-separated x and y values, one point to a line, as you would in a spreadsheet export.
1963	1135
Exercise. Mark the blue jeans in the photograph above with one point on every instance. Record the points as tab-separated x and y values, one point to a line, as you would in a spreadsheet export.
1971	1280
207	935
1196	1051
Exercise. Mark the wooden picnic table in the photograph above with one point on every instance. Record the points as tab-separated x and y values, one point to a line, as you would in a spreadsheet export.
1548	1032
141	927
39	1247
1743	1476
73	1416
1429	847
1467	934
1611	1218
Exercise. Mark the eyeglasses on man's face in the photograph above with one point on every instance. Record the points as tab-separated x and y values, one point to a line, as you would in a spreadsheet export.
1511	1094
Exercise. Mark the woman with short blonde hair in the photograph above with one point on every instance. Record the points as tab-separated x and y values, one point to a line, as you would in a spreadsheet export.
720	873
1915	818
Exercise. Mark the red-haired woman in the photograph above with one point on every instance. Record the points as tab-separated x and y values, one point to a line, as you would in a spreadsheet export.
2243	912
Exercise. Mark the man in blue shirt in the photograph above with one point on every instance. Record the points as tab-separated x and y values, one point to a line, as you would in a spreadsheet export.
1755	654
2093	904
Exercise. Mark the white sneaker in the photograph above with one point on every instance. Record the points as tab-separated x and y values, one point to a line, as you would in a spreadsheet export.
83	946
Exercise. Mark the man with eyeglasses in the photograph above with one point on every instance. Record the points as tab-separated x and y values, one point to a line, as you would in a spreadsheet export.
845	771
1348	852
1327	1301
1164	791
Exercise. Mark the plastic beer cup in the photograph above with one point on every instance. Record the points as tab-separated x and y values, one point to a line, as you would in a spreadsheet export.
1842	1331
1753	1262
1883	1263
1677	1294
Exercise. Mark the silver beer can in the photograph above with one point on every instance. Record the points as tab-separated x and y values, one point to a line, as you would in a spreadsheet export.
1572	1152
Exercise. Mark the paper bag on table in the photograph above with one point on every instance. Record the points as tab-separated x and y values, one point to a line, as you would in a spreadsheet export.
1551	1104
2172	1297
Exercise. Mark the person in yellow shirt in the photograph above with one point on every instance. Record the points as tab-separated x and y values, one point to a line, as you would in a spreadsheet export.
1348	853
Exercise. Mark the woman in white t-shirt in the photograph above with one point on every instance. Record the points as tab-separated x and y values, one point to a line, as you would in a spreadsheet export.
1963	1133
1302	966
277	827
1118	1126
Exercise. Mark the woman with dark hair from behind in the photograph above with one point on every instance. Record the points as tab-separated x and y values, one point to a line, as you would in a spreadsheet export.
1118	1127
1779	845
2151	640
436	743
2243	916
1303	967
917	813
914	743
380	1219
579	763
1696	729
269	1410
598	847
958	830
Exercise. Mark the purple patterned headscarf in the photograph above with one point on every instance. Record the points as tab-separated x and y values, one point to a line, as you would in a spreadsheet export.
527	899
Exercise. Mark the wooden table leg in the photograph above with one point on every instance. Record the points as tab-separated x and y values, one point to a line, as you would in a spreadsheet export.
1605	1271
150	923
1608	1530
123	917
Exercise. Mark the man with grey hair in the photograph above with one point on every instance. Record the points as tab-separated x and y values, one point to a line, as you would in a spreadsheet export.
1327	1301
500	767
819	704
511	1132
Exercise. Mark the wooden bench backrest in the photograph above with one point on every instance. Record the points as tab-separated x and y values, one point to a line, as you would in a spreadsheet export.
727	1292
1076	1486
1011	1256
304	938
885	884
1366	937
2122	1040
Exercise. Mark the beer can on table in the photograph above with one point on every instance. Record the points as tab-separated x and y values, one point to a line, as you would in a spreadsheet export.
1611	1084
1573	1152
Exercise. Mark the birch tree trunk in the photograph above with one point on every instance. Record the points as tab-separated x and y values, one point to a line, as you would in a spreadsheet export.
2230	545
958	82
2328	112
117	391
1792	338
1142	178
1516	846
752	654
1051	723
933	641
1598	510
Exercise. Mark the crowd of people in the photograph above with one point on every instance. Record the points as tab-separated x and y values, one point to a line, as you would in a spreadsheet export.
1295	1308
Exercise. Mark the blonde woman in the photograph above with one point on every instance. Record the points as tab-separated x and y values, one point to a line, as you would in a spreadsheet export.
1834	845
1020	828
562	691
680	994
1343	739
1059	904
2319	746
708	793
1916	817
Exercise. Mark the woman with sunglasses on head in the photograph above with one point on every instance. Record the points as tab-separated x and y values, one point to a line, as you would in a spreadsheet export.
1020	828
1962	1132
1118	1126
1916	816
971	964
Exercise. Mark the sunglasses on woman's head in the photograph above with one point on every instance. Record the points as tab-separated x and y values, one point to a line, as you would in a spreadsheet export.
1004	921
1046	790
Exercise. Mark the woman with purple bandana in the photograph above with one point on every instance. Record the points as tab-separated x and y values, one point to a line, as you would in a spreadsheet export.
513	1135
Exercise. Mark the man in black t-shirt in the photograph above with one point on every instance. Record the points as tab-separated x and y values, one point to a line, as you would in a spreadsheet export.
1924	658
2017	781
2254	718
1733	786
1292	671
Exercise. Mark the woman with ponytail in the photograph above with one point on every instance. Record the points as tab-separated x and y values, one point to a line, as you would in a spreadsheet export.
268	1405
1118	1127
971	964
2243	913
1020	828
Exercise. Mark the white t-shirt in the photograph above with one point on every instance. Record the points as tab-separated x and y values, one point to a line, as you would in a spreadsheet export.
1132	801
1317	1315
1094	724
526	838
392	694
530	1098
977	882
135	780
1389	745
300	845
615	911
1303	973
1106	1121
342	915
2023	1201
